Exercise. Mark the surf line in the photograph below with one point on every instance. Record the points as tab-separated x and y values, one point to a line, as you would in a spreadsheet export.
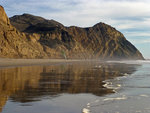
87	108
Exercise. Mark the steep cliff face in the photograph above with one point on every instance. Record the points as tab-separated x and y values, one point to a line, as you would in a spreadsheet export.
105	42
14	44
36	37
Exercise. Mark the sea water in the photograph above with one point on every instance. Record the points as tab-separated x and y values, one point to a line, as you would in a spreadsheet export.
85	87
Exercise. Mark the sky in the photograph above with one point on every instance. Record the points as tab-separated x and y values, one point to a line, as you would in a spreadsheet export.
131	17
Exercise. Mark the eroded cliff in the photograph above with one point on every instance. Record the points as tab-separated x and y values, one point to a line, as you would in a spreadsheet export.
36	37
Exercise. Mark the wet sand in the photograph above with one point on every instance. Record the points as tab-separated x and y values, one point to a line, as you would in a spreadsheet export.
4	62
87	87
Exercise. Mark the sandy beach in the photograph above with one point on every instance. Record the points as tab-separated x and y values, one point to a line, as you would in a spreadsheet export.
4	62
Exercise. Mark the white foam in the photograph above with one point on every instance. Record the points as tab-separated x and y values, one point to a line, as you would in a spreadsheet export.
109	85
88	105
117	98
131	61
144	95
85	110
125	74
118	85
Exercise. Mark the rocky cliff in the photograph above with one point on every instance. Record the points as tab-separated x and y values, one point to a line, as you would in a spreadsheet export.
36	37
14	44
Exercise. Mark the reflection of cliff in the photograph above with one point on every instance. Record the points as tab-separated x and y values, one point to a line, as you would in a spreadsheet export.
12	80
2	102
27	84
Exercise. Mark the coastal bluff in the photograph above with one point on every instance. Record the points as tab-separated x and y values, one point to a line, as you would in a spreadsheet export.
29	36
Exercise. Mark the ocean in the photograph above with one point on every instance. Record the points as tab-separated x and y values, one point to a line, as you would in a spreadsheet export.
80	87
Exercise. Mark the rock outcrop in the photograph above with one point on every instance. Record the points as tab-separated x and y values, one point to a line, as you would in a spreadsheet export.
36	37
14	44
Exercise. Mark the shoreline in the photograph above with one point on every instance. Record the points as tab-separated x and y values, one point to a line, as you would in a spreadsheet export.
6	62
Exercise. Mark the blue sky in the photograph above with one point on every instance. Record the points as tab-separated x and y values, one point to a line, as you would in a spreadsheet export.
131	17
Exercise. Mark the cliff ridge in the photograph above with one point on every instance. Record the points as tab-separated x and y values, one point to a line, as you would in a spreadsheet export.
29	36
